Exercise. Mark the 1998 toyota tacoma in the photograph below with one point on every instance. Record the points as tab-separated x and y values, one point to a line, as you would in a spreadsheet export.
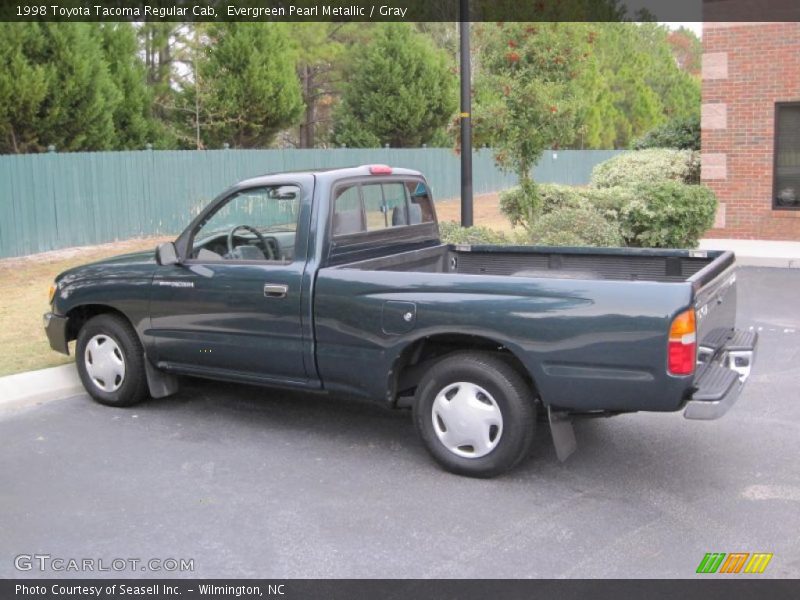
337	281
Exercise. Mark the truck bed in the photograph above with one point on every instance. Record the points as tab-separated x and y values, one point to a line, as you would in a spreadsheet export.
590	325
621	264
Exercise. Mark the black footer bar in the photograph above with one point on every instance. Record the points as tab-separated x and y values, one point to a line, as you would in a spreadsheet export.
707	588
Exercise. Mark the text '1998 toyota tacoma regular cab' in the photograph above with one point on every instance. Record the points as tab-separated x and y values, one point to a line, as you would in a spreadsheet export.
337	281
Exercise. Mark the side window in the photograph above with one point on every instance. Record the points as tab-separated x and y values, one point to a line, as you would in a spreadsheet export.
253	224
420	208
347	214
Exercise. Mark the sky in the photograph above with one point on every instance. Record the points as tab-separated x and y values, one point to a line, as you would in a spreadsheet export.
697	27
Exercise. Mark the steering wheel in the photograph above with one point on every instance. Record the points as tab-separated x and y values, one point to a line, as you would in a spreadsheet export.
267	248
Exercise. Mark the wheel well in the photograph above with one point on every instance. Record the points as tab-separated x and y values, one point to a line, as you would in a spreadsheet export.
79	315
422	354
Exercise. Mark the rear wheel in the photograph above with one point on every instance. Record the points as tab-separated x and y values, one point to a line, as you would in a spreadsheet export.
475	414
110	361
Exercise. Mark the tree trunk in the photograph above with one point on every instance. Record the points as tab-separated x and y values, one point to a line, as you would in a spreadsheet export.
307	127
14	141
164	60
149	56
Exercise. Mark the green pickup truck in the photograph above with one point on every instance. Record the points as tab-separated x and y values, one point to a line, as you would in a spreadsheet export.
336	281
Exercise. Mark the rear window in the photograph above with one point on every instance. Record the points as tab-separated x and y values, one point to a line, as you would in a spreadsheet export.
373	206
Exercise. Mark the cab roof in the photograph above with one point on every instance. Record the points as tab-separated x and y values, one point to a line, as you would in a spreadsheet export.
332	174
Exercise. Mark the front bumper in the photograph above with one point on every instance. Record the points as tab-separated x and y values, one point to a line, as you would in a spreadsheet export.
55	326
720	380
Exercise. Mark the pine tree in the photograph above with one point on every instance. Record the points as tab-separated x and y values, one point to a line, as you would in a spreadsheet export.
400	91
632	83
77	113
246	88
55	88
23	87
134	122
321	49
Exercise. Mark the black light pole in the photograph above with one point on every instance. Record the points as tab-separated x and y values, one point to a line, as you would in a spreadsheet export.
466	120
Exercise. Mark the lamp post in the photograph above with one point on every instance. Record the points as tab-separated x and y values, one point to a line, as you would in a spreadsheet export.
466	119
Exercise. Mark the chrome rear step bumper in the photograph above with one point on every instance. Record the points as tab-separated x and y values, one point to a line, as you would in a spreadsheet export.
720	380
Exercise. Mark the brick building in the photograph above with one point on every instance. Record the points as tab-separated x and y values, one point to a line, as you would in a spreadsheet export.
750	123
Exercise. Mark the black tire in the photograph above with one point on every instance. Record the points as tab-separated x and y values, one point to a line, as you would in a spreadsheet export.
131	387
510	393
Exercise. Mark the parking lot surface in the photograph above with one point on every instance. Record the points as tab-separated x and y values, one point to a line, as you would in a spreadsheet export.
250	482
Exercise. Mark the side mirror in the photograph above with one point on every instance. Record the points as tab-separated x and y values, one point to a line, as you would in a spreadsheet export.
167	254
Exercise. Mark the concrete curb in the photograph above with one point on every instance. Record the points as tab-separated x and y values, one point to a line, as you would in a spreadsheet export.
39	386
758	253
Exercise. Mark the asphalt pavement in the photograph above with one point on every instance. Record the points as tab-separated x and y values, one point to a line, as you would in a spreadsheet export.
248	482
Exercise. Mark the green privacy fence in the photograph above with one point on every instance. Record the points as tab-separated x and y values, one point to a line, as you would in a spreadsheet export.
51	201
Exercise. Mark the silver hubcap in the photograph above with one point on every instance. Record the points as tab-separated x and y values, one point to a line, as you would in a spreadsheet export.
467	420
104	363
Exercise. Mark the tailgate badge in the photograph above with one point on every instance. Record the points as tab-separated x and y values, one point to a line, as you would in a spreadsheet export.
702	311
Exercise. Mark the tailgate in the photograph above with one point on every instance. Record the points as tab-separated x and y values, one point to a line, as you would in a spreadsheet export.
724	354
715	304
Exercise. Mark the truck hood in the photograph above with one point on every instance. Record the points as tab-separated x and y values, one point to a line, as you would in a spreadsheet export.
134	265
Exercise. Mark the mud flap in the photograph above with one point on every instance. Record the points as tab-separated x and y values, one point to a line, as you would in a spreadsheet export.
562	432
159	383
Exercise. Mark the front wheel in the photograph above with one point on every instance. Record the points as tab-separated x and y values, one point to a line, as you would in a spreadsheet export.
475	414
110	361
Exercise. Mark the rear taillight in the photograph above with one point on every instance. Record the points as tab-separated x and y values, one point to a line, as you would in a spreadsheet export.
682	345
380	170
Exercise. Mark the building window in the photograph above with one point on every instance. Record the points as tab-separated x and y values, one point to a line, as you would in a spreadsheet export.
786	193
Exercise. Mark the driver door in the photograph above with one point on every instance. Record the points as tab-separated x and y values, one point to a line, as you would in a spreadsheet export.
233	307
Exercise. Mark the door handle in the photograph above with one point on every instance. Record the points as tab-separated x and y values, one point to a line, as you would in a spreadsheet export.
275	290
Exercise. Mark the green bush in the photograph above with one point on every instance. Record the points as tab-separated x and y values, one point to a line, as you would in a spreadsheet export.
648	166
651	212
668	215
451	232
683	134
554	196
610	201
575	226
551	196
